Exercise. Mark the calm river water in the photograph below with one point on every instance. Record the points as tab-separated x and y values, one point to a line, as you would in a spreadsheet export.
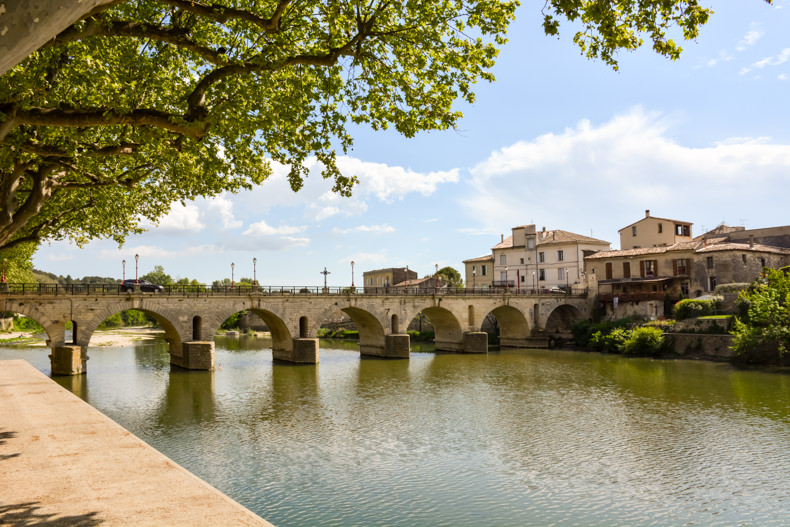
512	438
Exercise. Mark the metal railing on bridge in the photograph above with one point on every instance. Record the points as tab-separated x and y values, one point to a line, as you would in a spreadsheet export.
9	288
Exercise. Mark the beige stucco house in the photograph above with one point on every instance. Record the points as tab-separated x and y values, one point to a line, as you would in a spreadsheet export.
479	272
535	260
386	277
651	231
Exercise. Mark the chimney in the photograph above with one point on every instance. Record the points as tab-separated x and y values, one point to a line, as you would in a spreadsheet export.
647	213
544	229
751	241
501	238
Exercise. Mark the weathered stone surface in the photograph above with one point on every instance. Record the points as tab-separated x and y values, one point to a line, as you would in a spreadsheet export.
397	346
475	342
66	360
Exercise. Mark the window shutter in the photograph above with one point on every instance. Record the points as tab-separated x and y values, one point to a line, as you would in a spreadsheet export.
674	267
642	268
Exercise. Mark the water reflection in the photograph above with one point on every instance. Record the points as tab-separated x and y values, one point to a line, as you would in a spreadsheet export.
515	437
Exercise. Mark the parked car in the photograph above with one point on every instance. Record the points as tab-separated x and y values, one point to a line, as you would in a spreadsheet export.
555	289
141	285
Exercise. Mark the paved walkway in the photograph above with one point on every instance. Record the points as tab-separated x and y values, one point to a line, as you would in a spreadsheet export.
62	462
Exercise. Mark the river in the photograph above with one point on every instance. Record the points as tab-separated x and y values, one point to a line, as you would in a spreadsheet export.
512	438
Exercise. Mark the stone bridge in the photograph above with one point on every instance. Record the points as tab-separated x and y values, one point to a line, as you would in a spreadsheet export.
190	320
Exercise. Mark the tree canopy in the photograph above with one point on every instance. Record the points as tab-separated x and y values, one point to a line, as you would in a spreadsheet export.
147	102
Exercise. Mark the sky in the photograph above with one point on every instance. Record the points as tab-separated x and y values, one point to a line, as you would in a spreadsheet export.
558	140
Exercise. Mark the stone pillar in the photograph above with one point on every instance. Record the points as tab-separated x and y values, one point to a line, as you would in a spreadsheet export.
67	360
397	346
524	342
303	351
196	355
475	342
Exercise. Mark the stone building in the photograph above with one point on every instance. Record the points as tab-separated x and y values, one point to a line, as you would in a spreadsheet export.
387	277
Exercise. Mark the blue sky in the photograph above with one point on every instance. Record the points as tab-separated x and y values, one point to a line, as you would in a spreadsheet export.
557	140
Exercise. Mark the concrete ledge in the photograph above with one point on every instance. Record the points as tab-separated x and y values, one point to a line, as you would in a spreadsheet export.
64	463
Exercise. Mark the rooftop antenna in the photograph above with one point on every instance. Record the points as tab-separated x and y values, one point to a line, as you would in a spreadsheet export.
743	221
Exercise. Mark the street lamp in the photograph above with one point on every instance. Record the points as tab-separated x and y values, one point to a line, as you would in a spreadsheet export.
567	287
136	268
533	282
474	276
436	276
254	272
506	267
232	269
407	279
123	263
352	274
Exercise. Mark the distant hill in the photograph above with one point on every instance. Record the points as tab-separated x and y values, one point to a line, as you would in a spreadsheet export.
43	277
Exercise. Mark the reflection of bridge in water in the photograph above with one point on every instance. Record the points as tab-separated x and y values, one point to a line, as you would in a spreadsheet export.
191	316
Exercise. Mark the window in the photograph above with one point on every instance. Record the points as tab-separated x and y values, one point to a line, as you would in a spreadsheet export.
483	270
712	281
684	288
542	274
682	230
560	256
648	268
522	261
560	274
626	269
522	279
762	262
680	266
502	259
660	228
710	262
633	230
474	271
541	257
531	243
503	276
608	270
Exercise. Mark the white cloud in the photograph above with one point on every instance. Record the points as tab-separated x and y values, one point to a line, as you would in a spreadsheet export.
262	228
723	57
365	228
180	218
224	208
782	77
388	183
590	174
752	36
776	60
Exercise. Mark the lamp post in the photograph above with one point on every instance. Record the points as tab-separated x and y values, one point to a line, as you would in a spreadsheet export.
407	279
232	269
254	272
123	263
533	282
567	287
436	276
352	274
136	268
474	277
506	267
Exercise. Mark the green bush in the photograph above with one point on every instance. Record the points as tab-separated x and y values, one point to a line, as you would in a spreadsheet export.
644	341
611	342
693	308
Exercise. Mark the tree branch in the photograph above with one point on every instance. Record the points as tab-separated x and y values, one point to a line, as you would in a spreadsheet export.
97	27
222	14
89	117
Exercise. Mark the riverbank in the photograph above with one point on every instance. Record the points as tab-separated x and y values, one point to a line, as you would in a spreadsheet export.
65	463
109	337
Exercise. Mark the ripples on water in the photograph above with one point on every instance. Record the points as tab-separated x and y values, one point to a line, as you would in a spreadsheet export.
511	438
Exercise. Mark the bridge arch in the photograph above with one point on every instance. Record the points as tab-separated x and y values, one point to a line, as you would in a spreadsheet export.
561	318
514	328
